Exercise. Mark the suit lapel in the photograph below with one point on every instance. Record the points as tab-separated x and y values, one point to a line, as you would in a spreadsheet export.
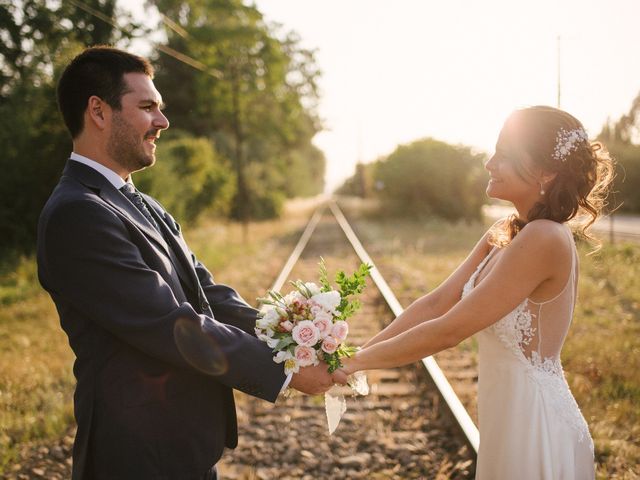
176	243
115	199
105	190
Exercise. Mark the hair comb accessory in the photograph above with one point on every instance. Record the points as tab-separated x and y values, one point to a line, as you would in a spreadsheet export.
568	141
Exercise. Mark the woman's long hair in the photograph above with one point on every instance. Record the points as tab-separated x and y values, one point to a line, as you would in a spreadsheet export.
583	174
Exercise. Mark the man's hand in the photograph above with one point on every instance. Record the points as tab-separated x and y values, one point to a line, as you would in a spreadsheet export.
339	377
312	380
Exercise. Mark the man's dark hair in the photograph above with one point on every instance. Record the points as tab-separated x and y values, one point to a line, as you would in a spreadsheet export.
96	71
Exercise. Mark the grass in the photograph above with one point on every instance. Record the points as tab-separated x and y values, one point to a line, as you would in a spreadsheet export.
601	355
36	385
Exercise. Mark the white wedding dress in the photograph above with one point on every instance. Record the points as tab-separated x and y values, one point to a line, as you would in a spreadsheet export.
530	424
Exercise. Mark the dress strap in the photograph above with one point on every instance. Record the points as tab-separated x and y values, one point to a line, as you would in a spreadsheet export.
483	263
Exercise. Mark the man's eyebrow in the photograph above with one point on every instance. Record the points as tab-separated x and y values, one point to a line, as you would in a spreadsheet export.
152	101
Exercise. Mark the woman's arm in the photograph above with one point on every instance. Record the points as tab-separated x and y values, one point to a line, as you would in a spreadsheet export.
530	259
439	301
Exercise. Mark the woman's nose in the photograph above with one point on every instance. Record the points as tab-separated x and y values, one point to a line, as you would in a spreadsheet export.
491	163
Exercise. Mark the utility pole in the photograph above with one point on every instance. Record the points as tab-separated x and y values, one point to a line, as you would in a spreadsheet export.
558	46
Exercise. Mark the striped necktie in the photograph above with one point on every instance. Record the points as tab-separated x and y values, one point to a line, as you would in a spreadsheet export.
134	197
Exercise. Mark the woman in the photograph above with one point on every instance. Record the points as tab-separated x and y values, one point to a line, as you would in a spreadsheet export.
517	290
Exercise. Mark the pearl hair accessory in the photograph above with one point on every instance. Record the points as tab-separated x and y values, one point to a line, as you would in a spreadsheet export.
568	141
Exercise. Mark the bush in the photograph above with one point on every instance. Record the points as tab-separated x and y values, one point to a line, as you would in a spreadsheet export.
432	178
189	178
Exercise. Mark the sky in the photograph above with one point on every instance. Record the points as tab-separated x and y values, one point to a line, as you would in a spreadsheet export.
398	71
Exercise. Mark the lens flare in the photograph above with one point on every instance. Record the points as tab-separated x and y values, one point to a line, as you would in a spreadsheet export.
198	348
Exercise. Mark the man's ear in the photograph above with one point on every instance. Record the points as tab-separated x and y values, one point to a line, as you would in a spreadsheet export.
98	112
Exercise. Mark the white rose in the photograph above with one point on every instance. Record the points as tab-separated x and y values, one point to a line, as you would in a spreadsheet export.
306	333
294	296
269	318
319	313
313	288
328	300
330	344
305	356
272	316
340	330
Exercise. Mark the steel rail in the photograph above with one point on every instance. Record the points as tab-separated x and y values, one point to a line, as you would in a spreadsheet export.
451	399
297	251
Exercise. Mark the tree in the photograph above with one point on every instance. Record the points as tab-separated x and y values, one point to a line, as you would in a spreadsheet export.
622	139
252	93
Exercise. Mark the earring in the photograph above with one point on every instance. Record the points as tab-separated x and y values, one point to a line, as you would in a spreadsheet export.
542	189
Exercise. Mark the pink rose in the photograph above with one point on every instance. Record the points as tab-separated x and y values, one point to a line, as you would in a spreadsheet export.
340	330
305	356
324	326
306	333
330	344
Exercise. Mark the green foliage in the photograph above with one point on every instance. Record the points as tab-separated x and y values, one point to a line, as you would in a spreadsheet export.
351	285
432	178
189	178
626	191
323	276
333	359
262	198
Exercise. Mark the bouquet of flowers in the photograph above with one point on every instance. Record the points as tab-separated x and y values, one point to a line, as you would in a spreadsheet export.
309	323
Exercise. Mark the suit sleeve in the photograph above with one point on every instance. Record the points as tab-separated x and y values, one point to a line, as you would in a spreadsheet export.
92	262
226	303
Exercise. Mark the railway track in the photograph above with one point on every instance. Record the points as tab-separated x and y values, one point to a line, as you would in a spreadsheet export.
411	425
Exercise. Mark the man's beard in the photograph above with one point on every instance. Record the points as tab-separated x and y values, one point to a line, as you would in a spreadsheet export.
127	150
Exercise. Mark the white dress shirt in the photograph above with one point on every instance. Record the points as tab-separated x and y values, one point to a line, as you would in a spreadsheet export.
114	179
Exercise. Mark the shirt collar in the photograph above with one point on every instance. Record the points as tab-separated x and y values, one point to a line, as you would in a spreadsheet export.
115	179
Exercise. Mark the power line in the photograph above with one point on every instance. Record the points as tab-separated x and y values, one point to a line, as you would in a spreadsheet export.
181	57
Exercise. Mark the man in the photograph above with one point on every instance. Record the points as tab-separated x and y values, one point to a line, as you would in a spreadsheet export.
159	345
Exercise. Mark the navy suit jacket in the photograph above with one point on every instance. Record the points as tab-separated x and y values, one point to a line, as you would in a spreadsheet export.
159	345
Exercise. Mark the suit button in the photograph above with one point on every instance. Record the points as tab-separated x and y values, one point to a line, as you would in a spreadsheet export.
204	305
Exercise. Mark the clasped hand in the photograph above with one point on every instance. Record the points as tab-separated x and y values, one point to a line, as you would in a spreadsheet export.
316	379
